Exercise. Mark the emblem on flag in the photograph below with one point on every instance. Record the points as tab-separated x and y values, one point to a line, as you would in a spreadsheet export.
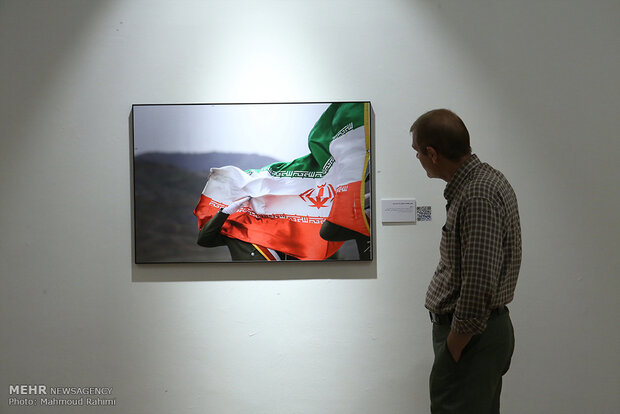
324	195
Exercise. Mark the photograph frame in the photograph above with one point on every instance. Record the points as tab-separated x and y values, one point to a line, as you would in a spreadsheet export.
159	185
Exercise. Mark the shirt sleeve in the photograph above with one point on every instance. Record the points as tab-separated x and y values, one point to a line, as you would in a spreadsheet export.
209	235
481	261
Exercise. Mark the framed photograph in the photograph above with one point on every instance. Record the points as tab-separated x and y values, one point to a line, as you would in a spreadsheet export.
252	182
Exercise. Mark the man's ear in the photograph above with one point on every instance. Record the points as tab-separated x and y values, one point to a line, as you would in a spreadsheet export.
432	154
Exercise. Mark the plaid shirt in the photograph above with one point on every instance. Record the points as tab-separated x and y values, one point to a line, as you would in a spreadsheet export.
480	248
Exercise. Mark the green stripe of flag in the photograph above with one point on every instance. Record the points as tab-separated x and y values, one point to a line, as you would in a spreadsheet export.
337	120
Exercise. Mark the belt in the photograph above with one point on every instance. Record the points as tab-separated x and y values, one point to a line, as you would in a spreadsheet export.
446	318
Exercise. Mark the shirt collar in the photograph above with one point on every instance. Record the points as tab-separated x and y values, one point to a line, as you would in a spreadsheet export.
460	175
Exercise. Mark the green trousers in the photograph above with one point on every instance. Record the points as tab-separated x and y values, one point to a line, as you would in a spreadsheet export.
472	385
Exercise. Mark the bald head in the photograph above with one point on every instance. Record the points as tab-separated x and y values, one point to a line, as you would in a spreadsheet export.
444	131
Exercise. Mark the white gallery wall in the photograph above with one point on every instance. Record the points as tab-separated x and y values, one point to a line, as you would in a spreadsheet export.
537	83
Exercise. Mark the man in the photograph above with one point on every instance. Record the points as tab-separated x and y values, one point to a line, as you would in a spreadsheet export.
480	252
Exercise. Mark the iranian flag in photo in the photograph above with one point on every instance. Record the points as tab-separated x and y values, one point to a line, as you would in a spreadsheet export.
290	201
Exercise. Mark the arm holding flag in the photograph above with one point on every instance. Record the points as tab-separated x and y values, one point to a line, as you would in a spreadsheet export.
335	232
210	235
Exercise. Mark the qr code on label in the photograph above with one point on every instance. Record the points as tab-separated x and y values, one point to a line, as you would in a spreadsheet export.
423	213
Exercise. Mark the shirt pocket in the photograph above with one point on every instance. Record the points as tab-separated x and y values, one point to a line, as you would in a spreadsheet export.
448	244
